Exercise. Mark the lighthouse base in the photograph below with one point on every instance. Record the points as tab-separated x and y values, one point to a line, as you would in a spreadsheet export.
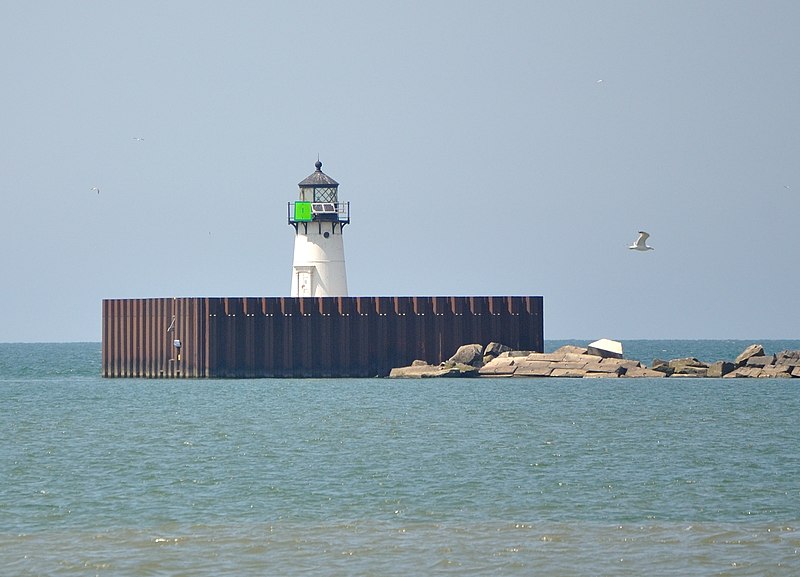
318	268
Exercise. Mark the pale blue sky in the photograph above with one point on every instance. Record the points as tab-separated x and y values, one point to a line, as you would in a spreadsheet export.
486	148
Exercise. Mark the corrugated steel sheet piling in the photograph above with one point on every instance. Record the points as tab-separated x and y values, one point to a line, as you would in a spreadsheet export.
252	337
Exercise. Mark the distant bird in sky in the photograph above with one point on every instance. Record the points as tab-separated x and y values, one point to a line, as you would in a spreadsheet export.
97	190
138	138
600	81
641	242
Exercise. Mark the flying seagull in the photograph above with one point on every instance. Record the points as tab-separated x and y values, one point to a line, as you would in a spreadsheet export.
97	190
138	138
641	242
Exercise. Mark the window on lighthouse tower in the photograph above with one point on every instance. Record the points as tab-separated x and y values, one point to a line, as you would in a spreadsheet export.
325	195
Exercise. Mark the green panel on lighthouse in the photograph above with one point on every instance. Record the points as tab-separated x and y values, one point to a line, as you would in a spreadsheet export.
302	211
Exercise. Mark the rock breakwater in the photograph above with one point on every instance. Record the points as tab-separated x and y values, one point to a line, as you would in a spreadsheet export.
497	360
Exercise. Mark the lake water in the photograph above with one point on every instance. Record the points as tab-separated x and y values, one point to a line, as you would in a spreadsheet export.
386	477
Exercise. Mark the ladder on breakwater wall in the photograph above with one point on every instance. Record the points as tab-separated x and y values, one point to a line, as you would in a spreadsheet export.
252	337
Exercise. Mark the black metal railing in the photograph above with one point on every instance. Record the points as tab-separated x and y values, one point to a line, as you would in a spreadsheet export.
318	211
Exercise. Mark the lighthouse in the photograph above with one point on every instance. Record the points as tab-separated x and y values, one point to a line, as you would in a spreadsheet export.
318	219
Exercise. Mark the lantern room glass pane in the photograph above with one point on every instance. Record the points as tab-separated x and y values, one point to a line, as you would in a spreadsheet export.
325	195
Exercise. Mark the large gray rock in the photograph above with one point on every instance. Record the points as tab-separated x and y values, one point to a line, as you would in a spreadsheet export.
499	367
594	375
720	369
743	373
414	372
601	368
623	364
782	372
691	372
516	354
751	351
677	364
662	366
643	372
768	372
563	350
564	372
761	361
471	355
791	358
495	350
688	367
528	368
433	371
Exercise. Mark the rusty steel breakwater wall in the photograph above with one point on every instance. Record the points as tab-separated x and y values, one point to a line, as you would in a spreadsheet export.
251	337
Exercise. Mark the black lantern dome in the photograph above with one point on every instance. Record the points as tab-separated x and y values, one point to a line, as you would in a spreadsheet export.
319	187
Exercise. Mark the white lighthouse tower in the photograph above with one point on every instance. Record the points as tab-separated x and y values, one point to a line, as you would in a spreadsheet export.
318	219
